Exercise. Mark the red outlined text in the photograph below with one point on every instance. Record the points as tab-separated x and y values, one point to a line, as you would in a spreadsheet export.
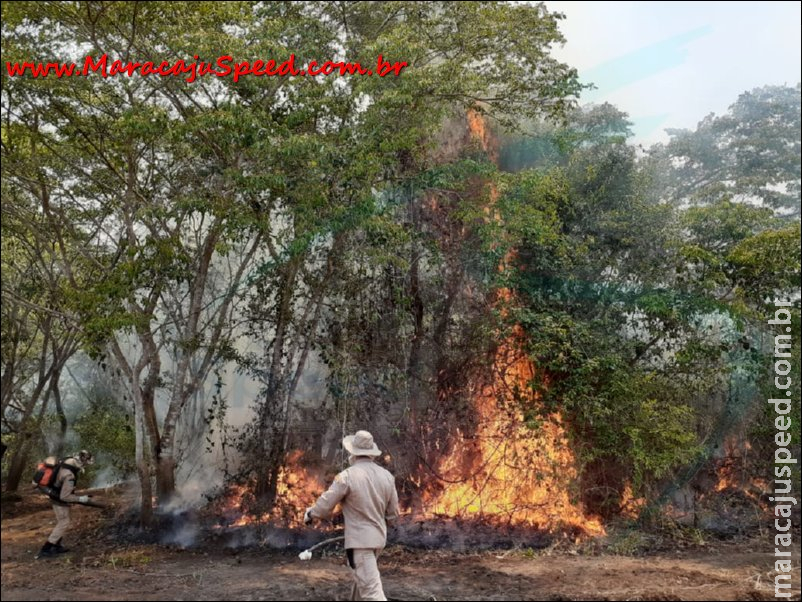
223	66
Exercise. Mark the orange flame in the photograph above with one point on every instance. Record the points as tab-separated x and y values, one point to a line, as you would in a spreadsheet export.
518	472
509	469
482	134
631	506
730	469
298	487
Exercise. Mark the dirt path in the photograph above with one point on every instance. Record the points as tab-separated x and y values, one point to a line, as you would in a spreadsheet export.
102	568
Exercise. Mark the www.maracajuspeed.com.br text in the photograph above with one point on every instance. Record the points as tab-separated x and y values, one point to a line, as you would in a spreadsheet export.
224	66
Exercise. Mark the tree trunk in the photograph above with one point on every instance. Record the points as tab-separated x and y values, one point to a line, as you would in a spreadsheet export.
271	434
267	485
62	417
143	467
166	488
414	365
28	427
272	425
20	458
165	478
18	462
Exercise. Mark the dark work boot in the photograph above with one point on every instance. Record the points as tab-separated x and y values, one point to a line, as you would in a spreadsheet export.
48	551
58	548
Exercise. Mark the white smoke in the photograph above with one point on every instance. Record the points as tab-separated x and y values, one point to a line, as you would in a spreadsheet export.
106	477
184	536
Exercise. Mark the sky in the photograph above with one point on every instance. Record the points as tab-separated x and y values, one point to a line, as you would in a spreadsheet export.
668	64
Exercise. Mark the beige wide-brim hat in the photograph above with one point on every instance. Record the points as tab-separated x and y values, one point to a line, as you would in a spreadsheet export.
361	444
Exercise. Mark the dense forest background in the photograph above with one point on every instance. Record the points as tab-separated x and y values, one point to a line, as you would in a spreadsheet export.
200	279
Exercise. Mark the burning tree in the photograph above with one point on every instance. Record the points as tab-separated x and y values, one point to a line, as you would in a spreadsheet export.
349	212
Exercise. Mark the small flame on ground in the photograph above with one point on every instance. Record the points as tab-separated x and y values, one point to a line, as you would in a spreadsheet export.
298	487
731	472
631	506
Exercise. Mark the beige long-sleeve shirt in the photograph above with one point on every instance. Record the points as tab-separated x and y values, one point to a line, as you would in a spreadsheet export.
369	499
66	479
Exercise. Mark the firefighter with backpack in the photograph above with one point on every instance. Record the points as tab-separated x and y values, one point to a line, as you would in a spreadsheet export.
57	480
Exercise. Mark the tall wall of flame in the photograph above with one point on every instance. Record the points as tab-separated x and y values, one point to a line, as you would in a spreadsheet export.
506	469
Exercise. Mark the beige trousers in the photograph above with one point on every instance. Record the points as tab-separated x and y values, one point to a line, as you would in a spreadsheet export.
63	521
367	581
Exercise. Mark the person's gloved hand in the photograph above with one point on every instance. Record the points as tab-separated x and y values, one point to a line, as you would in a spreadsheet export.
308	516
83	499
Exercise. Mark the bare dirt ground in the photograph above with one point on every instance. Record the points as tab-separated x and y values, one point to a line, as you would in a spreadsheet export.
103	567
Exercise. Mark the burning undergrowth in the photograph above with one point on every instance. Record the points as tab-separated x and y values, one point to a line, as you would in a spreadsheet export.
507	469
203	530
236	519
725	498
509	498
453	534
298	485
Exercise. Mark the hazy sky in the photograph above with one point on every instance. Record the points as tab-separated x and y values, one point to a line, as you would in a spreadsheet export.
668	64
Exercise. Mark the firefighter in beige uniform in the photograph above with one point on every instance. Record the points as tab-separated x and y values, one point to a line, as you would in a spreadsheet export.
65	485
369	498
